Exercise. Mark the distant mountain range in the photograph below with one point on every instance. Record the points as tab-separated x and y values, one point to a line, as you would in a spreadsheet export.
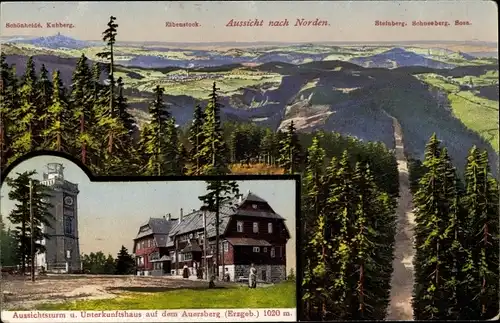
55	42
398	57
199	58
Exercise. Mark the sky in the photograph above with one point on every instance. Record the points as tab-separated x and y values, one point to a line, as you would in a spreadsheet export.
110	214
347	20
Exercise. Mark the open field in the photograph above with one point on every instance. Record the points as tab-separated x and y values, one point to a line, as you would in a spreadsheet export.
98	292
477	113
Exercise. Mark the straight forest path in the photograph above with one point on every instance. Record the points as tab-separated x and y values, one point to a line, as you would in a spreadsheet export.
402	277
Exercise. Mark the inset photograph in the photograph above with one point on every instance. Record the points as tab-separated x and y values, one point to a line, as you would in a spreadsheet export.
70	244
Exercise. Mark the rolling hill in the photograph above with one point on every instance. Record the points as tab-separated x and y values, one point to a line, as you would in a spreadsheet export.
334	95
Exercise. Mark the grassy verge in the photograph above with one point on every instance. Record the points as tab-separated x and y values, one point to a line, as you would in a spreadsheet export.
278	296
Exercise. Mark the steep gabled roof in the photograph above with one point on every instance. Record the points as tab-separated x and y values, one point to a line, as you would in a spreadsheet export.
194	221
159	228
251	197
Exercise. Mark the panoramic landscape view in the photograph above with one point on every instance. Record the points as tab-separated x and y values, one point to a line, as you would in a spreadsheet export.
369	101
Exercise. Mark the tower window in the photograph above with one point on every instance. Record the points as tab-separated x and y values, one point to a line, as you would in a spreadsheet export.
68	225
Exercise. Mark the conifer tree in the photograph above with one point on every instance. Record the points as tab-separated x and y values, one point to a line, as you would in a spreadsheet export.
481	203
20	215
144	149
57	119
213	149
432	296
44	89
341	211
9	105
239	145
82	104
269	147
125	264
219	193
123	114
155	136
108	119
98	107
290	151
196	140
455	259
313	217
9	255
27	120
372	247
173	164
109	36
314	198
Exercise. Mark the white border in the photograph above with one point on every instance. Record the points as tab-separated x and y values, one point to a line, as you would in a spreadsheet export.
183	315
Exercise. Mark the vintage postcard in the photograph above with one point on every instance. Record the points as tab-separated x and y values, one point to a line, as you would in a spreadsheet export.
379	107
158	249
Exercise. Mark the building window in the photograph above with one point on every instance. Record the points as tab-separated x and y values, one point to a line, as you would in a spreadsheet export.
188	256
265	249
256	227
254	206
226	246
239	226
269	228
256	249
273	253
154	256
68	225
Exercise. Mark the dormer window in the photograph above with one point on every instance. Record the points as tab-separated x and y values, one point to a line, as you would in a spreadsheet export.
269	228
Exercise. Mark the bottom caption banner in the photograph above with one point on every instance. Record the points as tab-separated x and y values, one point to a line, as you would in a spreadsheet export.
221	315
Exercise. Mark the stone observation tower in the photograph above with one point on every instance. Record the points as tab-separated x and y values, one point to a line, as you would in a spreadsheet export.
62	252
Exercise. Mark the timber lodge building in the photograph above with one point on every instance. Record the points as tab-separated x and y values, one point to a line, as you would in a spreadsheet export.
250	232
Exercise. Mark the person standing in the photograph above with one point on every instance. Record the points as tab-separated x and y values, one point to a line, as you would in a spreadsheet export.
252	278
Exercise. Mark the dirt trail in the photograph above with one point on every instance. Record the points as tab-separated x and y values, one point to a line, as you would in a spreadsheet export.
402	276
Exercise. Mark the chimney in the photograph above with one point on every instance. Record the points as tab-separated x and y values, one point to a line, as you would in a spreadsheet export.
180	216
169	217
